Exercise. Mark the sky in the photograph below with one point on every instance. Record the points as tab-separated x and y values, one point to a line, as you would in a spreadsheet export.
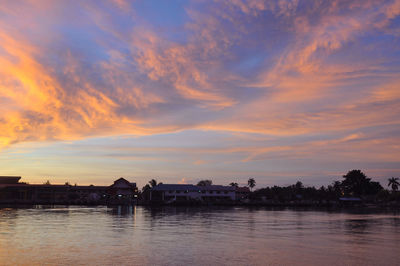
180	91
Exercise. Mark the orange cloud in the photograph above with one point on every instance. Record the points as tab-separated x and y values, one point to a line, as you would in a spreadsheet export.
175	64
146	83
36	106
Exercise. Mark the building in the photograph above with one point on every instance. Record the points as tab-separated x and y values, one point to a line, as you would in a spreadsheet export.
215	193
14	192
171	193
174	193
6	180
122	191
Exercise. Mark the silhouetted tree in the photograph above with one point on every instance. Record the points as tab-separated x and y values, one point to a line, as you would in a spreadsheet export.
251	183
145	193
324	195
394	183
299	187
47	182
153	183
334	191
356	183
337	188
234	184
206	182
373	188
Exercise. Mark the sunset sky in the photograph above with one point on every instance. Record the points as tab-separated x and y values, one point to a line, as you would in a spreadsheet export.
186	90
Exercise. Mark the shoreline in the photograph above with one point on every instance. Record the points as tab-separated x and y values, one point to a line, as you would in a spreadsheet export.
377	207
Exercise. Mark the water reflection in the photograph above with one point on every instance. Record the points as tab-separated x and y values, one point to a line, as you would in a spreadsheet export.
357	226
122	210
200	236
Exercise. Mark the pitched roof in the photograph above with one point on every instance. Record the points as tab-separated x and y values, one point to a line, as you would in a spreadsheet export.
163	187
217	187
121	182
9	179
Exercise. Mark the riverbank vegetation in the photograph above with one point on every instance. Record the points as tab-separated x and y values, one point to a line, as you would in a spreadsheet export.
355	188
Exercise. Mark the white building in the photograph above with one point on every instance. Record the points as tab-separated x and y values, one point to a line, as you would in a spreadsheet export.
182	192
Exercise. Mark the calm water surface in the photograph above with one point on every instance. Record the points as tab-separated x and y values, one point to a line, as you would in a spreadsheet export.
196	236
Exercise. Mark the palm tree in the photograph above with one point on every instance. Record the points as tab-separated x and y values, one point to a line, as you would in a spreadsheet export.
234	184
153	183
394	183
252	183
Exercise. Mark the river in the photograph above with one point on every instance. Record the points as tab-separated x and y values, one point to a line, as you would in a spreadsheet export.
75	235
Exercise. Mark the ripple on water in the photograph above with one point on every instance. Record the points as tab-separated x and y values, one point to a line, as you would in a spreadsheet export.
199	236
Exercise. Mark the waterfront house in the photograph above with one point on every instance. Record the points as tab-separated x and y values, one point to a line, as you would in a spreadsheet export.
170	193
7	180
122	191
174	193
14	192
217	193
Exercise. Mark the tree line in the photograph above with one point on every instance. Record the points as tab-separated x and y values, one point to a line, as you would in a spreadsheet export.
355	184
